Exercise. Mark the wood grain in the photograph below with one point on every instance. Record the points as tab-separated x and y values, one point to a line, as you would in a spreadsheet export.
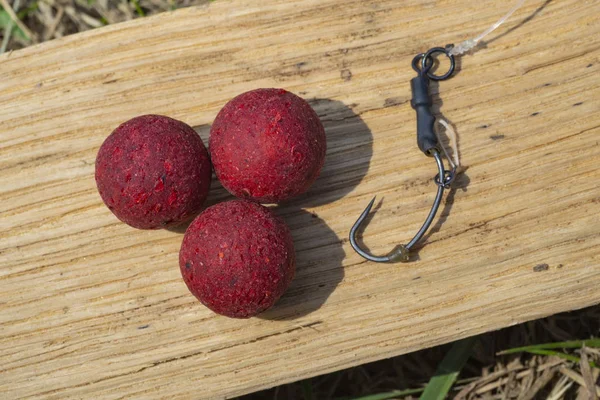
93	308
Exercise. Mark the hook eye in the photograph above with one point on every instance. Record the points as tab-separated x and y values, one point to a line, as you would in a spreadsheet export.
418	62
449	176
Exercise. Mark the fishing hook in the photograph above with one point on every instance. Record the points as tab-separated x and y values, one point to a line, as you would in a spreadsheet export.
428	143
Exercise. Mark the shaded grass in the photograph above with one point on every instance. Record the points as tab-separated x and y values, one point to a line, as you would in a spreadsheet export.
51	19
447	372
486	375
573	344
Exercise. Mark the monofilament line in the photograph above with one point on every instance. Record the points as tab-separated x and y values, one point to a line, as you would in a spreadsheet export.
467	45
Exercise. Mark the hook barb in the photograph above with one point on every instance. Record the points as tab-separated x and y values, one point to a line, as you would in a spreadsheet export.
354	231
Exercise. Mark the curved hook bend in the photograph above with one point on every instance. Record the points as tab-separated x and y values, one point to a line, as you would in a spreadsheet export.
402	252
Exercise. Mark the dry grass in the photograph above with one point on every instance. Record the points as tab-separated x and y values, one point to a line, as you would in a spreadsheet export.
486	375
50	19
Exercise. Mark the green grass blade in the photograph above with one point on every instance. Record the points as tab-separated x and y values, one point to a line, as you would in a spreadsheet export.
564	356
138	8
5	21
398	393
30	9
448	370
389	395
573	344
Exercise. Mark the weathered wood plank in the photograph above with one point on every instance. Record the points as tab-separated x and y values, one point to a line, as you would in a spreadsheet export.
90	305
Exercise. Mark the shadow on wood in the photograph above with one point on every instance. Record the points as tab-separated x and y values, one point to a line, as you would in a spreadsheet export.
461	182
483	44
318	269
349	152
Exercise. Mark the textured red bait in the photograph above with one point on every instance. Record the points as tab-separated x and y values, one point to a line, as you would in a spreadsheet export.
237	258
153	172
267	145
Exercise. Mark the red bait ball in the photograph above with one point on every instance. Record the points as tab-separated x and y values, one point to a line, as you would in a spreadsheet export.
267	145
237	258
153	172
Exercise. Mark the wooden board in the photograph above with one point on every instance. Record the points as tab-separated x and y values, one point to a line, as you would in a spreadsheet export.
93	308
